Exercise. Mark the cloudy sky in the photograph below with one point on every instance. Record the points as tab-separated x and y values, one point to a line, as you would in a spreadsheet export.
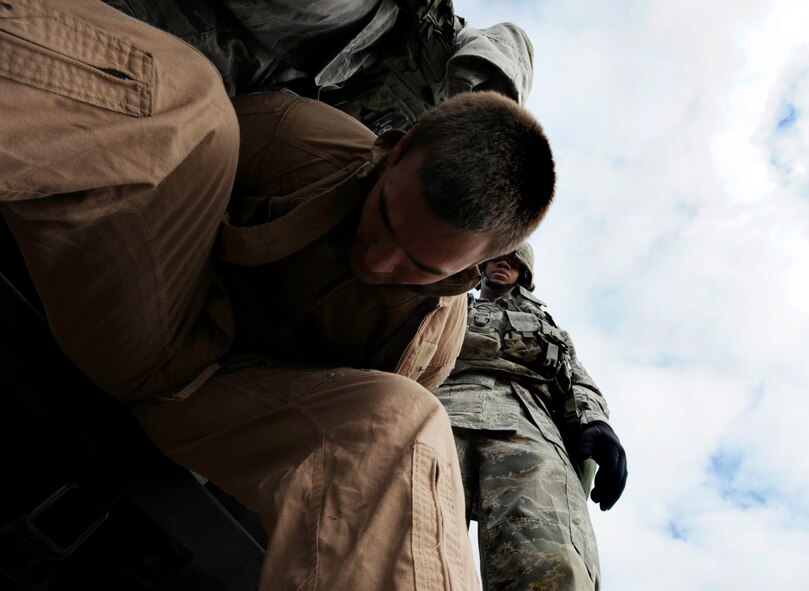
677	255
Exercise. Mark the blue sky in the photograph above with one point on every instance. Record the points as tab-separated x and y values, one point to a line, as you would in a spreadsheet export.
677	255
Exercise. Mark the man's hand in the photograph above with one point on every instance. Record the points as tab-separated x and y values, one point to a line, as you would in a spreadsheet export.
599	441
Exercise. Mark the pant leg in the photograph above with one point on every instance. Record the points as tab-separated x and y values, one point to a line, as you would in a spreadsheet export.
467	448
119	147
354	474
534	526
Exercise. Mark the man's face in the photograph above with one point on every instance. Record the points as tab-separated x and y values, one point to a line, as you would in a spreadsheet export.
503	270
400	240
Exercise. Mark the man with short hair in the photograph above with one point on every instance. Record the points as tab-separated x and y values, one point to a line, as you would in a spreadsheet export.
273	289
527	419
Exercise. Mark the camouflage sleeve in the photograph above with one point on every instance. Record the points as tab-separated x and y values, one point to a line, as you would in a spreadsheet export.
497	58
589	402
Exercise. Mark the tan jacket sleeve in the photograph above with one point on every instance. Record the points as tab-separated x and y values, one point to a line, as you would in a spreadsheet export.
432	354
289	142
292	150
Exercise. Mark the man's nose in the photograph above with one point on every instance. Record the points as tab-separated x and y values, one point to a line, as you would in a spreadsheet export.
382	258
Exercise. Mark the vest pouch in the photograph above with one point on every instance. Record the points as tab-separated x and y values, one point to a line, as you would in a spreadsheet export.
520	341
480	344
523	322
388	105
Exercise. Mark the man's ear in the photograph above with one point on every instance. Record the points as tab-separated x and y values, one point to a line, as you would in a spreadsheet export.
396	152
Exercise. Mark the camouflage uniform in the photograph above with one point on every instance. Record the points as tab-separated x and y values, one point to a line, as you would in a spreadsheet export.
516	394
385	63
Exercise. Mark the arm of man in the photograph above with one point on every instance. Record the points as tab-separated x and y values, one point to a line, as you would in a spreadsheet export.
291	149
591	435
288	142
497	58
590	402
430	358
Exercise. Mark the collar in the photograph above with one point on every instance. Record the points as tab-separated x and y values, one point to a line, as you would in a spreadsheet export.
527	295
456	284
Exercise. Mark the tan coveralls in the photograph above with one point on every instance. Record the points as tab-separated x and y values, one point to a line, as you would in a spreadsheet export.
119	150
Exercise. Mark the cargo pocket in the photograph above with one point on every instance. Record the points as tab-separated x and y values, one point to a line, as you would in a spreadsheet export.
436	548
569	489
61	54
520	339
480	344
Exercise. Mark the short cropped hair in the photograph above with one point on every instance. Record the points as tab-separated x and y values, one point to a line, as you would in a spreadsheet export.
488	167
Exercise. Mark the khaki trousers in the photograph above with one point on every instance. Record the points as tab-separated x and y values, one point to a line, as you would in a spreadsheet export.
118	152
354	473
119	147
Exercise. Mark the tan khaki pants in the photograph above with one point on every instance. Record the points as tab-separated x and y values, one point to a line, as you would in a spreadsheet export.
353	472
118	148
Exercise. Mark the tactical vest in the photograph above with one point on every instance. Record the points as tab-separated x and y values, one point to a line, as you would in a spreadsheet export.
408	76
514	337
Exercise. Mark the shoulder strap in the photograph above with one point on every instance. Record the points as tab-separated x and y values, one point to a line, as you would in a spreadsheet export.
439	12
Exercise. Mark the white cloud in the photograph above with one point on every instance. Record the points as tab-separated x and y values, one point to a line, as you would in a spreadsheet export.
677	254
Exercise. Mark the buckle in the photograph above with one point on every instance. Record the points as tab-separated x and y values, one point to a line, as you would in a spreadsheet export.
65	519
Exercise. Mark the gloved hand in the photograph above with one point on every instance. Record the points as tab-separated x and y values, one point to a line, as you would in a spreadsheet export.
598	441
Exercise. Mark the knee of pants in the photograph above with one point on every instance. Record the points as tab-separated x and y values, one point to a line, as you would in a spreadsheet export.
388	408
527	554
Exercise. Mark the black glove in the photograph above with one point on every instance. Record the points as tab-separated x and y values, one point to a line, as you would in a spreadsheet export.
598	441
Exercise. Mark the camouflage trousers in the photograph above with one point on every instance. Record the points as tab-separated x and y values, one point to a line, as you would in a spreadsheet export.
533	524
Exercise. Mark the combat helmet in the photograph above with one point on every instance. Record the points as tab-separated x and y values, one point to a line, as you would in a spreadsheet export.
525	256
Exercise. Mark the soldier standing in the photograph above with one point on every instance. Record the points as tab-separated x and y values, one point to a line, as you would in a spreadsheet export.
528	422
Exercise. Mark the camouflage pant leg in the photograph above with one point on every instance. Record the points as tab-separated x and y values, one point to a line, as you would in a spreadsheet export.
534	527
465	444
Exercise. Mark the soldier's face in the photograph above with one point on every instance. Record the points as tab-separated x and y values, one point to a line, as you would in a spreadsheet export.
399	240
503	270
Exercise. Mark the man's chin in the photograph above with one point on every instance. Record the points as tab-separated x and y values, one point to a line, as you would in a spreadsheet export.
381	279
499	279
372	279
499	288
